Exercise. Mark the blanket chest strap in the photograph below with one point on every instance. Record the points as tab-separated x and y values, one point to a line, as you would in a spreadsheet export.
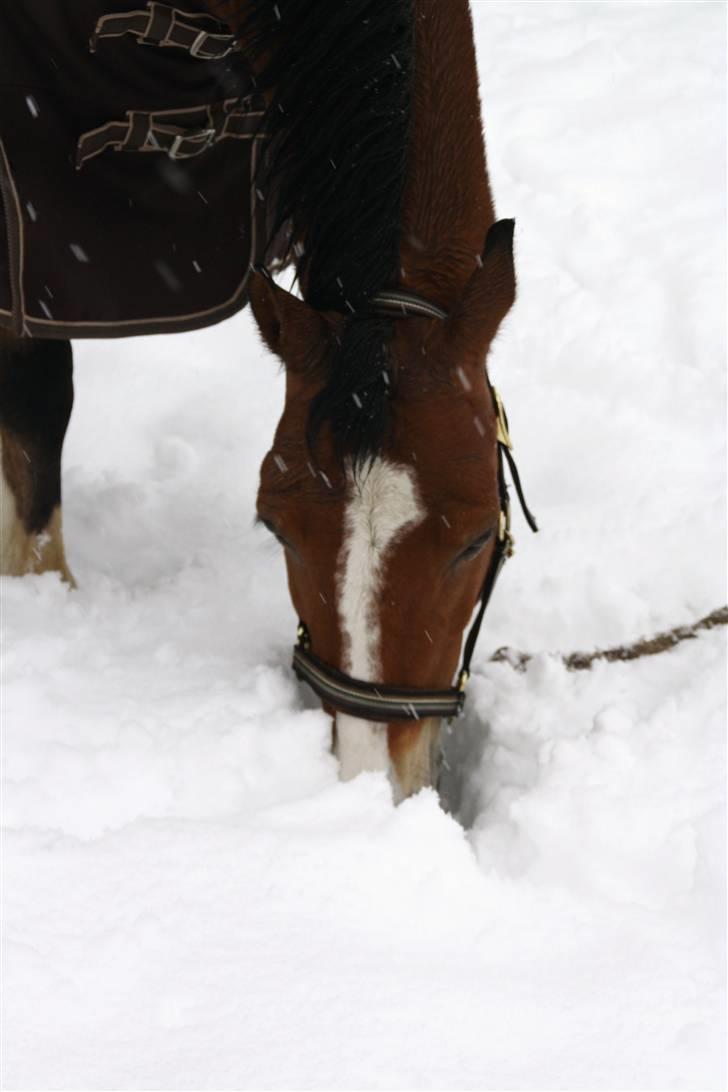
182	134
161	25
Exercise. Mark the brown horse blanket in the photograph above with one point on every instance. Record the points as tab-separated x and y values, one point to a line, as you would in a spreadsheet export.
128	149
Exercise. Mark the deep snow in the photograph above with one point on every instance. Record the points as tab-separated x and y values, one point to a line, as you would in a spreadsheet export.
190	898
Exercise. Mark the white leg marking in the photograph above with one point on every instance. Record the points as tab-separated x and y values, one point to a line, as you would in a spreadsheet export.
21	552
382	508
12	535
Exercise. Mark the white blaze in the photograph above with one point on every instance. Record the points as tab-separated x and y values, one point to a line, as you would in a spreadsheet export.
382	507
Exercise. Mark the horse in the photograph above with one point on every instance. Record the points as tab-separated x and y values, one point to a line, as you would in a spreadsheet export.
384	483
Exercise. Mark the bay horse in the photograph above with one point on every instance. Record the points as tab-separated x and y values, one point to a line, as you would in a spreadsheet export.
385	482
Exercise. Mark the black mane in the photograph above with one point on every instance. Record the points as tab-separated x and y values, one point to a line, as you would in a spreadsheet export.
340	73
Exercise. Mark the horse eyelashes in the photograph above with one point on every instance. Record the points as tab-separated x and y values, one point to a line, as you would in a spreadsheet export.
271	527
475	547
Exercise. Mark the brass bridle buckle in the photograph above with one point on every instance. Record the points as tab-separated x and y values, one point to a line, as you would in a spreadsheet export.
503	436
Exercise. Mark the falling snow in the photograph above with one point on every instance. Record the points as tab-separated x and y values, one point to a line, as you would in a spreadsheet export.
168	275
464	381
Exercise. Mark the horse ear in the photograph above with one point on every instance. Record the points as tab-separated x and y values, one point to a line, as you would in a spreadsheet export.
291	329
490	292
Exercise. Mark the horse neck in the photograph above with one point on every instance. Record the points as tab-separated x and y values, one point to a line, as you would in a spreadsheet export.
447	204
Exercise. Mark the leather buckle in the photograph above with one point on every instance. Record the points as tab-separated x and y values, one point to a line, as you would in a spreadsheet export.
205	137
505	535
197	49
502	434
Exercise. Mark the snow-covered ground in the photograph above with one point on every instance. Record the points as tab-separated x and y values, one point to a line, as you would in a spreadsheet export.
191	900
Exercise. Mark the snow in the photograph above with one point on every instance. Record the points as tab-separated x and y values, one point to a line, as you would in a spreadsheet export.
190	897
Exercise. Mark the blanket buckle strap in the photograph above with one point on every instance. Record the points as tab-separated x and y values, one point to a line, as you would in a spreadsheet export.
199	34
186	145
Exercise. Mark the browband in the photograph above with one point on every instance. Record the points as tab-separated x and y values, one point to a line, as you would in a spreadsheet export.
399	304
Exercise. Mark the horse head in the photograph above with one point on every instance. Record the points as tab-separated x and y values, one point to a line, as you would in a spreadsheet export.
387	557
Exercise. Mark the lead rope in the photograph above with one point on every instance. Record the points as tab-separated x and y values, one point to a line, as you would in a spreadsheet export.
637	650
573	661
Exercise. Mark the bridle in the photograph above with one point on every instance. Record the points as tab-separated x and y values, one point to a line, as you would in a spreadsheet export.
372	701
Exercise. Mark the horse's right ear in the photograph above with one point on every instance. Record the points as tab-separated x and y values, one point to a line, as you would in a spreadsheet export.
291	329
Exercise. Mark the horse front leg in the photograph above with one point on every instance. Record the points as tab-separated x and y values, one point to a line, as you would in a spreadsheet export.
36	397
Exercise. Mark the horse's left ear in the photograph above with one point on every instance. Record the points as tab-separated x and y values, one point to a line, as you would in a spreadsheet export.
490	292
291	329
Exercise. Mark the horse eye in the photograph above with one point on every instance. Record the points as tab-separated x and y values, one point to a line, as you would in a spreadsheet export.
476	546
271	527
